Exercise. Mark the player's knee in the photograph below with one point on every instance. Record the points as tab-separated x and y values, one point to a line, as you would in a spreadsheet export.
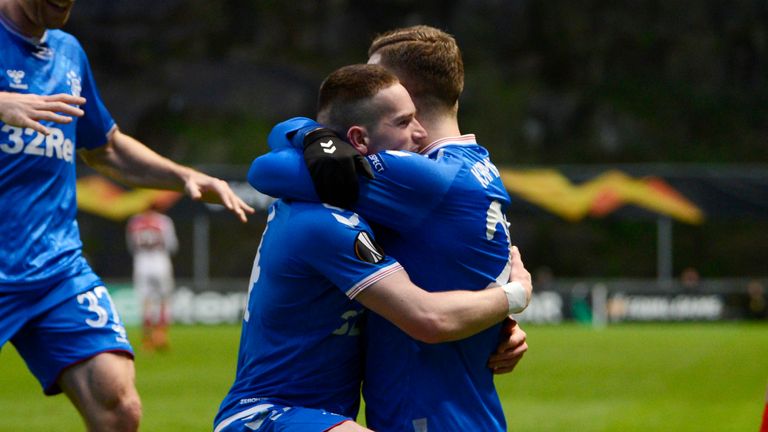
132	409
120	411
127	413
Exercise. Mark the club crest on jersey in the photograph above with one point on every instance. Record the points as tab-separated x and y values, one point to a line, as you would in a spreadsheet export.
16	77
367	249
75	83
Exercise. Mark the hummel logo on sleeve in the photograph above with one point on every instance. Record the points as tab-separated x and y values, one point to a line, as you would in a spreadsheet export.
328	147
367	249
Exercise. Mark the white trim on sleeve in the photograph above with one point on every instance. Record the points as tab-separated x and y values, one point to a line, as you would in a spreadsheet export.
373	278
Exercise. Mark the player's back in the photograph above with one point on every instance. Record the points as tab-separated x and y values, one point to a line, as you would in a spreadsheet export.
462	244
300	344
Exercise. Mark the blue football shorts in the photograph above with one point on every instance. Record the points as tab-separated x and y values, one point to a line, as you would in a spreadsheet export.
52	337
267	417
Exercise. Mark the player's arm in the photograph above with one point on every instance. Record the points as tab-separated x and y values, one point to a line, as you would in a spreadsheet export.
27	110
334	166
435	317
281	173
326	166
129	161
406	187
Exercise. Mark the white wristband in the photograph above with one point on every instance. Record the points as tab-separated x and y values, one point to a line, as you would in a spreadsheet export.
517	298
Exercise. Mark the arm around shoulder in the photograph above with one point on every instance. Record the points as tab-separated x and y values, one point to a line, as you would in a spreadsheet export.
434	317
281	173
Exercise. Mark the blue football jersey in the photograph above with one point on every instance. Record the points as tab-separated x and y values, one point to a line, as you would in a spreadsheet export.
443	218
300	343
39	238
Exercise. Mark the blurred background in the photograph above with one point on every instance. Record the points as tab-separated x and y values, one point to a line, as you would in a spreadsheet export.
633	136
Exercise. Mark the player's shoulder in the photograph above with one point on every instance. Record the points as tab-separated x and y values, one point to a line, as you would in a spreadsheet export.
64	45
403	163
60	39
323	221
282	133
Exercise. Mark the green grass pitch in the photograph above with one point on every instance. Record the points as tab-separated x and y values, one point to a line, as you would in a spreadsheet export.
639	377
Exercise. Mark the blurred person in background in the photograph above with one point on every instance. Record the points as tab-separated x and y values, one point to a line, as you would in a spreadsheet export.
757	304
53	307
690	279
151	239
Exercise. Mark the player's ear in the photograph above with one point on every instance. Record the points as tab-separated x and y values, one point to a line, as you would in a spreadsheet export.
358	137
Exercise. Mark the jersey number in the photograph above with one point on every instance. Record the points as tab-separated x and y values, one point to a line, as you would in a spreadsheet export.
493	218
346	329
256	271
92	298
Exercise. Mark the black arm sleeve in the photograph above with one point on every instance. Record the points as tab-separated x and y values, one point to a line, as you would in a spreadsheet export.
334	166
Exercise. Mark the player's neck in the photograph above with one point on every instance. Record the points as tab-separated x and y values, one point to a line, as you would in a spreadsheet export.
439	121
14	17
440	127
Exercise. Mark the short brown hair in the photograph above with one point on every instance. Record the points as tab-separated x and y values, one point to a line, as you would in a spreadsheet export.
427	61
345	96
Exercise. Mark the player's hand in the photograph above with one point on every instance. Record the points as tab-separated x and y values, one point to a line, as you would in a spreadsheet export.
511	348
203	187
27	110
519	273
334	166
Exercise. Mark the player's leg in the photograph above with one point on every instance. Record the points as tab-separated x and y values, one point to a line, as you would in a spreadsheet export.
160	330
79	346
164	293
103	391
142	286
147	324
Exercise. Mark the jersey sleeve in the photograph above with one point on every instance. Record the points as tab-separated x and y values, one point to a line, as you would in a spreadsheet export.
282	173
94	126
347	254
290	133
406	189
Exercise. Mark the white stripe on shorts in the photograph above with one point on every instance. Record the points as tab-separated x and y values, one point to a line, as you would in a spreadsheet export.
242	414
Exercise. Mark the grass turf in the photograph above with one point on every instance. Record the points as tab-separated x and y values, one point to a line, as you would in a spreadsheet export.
640	377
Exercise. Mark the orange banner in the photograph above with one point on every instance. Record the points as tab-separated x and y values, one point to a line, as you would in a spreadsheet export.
600	196
99	196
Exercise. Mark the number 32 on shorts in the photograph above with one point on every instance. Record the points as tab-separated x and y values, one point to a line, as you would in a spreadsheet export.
98	301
